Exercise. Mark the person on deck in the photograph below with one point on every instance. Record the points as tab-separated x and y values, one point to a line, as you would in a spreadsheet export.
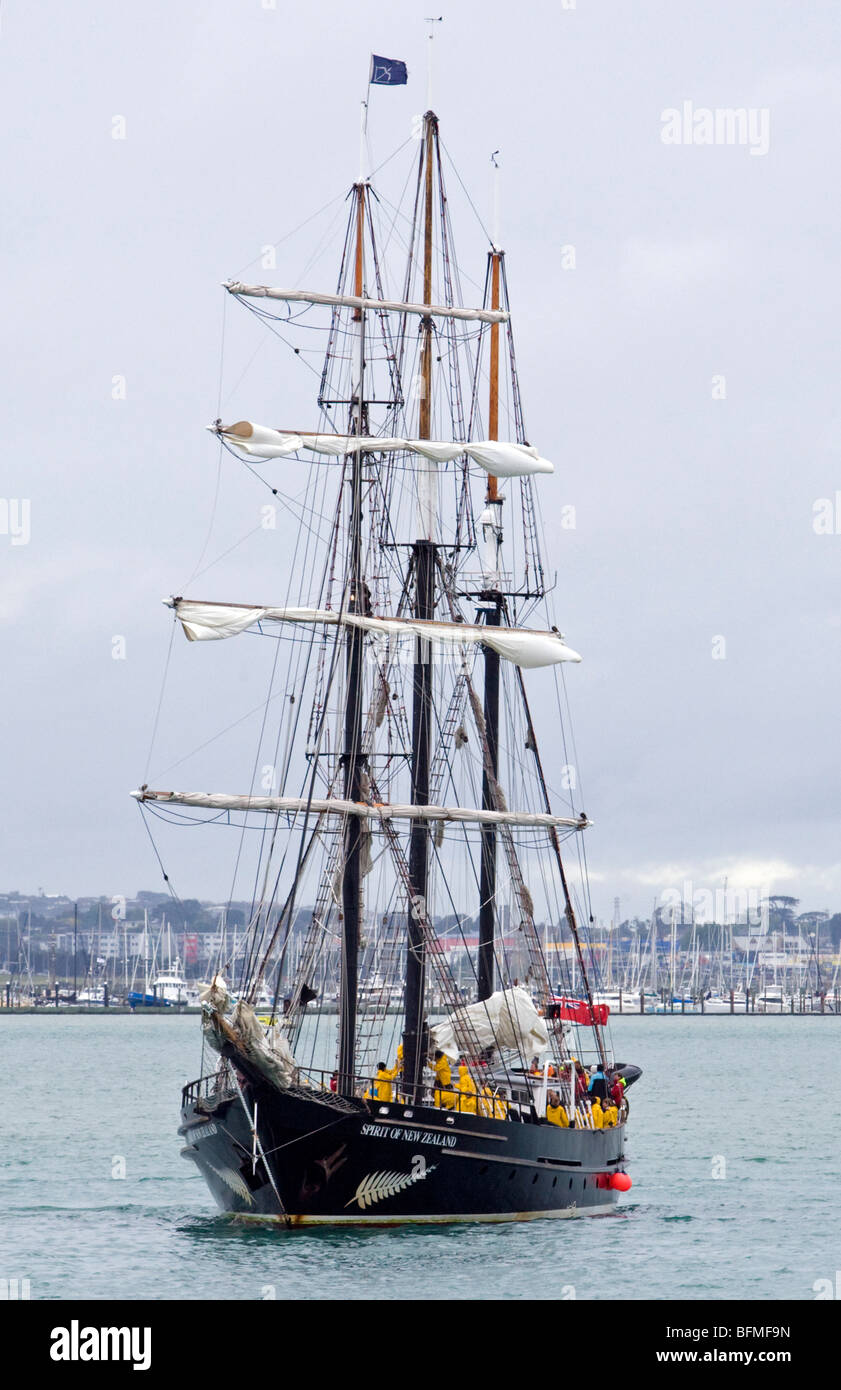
444	1097
598	1083
443	1074
564	1079
385	1076
597	1113
581	1080
499	1109
467	1089
611	1115
555	1112
491	1104
616	1089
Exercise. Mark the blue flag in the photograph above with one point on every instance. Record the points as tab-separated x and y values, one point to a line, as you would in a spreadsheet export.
387	72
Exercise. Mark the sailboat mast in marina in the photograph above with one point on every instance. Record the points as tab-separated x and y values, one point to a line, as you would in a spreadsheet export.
415	826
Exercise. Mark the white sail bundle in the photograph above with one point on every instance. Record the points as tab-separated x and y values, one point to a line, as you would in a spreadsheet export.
226	1021
356	301
524	647
508	1019
501	459
379	811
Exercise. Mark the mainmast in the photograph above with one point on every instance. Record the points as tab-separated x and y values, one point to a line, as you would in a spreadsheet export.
492	536
355	601
423	561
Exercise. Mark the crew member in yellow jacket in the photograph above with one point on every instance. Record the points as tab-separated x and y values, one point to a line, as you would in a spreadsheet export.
611	1116
385	1076
444	1095
467	1087
492	1105
597	1113
555	1112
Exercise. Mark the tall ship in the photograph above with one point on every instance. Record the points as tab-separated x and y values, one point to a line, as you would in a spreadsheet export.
394	1045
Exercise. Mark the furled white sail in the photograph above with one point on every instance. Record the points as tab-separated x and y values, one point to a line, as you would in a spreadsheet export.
259	440
508	1019
335	806
225	1021
354	301
524	647
503	460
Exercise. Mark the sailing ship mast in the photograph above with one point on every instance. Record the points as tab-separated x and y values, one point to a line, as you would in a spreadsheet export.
353	757
424	554
492	529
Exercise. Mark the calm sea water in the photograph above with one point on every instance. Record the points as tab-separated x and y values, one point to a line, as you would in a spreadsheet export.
746	1098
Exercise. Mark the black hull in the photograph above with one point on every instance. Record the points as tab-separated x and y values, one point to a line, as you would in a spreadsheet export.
375	1164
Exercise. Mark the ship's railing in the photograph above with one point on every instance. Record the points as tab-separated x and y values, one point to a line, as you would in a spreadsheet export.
492	1103
216	1086
524	1100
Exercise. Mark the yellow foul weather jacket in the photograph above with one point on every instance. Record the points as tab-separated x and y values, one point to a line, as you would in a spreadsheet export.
385	1076
467	1086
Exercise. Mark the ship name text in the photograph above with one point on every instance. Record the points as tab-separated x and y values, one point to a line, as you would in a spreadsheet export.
411	1136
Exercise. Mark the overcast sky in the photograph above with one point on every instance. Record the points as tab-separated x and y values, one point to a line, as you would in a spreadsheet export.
698	501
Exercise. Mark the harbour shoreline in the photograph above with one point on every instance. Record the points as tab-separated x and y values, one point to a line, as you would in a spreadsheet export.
122	1010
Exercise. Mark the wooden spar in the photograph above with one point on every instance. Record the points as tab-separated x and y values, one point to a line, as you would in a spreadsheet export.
376	306
360	235
415	1041
487	866
375	813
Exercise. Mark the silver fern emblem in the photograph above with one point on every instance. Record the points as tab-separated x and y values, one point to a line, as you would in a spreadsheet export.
234	1182
377	1186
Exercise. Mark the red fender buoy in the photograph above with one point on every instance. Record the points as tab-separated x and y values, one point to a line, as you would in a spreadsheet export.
620	1182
